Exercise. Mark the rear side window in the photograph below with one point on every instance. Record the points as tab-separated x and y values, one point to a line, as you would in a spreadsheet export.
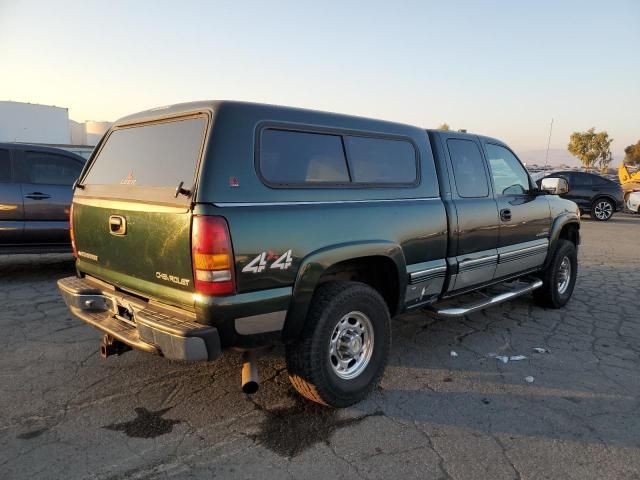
5	166
582	179
152	155
468	168
51	169
597	180
378	160
288	157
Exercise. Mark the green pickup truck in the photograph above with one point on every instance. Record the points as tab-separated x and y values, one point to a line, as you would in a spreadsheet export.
218	225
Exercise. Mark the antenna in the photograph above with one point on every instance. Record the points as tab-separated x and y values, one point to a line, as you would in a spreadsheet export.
546	159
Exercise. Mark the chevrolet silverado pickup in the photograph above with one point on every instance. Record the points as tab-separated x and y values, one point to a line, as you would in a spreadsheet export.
218	225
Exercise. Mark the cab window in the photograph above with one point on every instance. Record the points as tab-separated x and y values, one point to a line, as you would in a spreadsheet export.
468	168
509	176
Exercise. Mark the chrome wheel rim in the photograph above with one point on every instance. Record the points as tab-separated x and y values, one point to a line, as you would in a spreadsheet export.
603	210
351	345
564	275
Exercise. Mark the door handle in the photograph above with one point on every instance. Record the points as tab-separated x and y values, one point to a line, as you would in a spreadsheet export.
37	196
117	225
505	215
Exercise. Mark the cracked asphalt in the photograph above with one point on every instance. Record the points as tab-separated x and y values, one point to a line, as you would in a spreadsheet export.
67	413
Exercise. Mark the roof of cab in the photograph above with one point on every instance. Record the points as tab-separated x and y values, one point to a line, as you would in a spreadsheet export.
453	133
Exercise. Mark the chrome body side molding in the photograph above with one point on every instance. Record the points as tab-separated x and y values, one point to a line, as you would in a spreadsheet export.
474	269
522	256
426	280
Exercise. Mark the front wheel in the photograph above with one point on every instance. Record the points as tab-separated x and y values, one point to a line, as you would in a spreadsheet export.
602	210
345	345
559	278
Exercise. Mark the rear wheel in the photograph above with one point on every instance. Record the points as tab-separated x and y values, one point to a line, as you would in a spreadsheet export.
602	210
345	345
559	279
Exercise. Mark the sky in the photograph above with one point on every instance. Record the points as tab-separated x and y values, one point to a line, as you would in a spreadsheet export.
499	68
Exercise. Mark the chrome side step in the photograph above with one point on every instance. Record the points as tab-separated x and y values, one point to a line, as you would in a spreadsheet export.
459	311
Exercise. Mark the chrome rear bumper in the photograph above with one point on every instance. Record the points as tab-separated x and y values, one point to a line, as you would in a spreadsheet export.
148	327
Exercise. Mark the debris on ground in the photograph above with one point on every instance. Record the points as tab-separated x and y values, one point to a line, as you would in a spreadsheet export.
507	359
528	379
454	354
540	350
516	358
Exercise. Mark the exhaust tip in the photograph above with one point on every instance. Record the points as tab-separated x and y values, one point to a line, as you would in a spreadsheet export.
250	387
250	378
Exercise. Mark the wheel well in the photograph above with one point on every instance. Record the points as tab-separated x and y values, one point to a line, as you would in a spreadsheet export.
378	272
604	197
570	232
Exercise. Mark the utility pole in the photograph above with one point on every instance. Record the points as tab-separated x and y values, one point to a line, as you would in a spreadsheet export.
546	160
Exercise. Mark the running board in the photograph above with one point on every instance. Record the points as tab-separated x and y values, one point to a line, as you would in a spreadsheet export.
460	311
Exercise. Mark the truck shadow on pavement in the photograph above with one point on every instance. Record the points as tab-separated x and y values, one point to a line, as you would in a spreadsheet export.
290	430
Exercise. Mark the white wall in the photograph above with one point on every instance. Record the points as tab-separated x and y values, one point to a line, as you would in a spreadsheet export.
27	122
78	133
95	131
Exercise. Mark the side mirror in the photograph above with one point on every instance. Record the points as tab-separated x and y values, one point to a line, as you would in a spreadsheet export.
554	185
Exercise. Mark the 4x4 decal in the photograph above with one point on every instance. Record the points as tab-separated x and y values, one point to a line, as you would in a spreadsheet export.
259	263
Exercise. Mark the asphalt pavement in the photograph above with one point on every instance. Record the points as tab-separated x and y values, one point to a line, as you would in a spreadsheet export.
67	413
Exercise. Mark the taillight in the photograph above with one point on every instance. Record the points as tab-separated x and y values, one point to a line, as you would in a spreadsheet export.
212	256
73	237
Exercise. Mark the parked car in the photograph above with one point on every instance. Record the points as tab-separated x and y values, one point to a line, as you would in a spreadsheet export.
632	201
35	197
594	194
224	225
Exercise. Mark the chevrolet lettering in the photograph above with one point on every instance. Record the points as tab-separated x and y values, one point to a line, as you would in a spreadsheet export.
172	278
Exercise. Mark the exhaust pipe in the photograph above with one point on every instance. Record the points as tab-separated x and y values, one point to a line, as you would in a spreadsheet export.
250	379
110	346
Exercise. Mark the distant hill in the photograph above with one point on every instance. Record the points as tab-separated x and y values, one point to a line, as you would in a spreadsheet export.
557	157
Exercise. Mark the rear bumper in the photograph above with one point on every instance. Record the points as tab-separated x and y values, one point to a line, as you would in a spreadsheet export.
151	328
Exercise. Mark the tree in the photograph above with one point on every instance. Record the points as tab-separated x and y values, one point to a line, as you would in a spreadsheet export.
444	126
591	148
632	154
603	146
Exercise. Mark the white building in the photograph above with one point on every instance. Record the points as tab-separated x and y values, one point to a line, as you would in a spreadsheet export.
49	125
33	123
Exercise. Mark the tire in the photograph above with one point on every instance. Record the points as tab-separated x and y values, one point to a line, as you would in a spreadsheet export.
319	371
555	293
602	210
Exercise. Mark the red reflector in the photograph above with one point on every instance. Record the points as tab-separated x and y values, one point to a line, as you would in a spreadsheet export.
212	256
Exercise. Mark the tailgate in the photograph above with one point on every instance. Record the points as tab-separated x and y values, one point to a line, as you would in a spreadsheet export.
131	221
151	255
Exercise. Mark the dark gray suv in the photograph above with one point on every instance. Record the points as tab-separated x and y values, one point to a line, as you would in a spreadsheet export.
594	194
35	196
